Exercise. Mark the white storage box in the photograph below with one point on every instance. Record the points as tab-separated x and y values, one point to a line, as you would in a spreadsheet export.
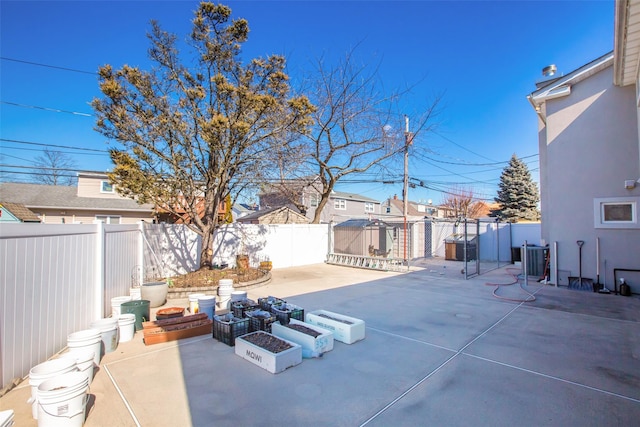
311	346
272	362
345	329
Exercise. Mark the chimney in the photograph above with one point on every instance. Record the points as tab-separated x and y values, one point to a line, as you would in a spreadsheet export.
395	197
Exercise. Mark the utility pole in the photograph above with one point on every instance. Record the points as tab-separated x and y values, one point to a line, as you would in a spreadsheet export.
408	139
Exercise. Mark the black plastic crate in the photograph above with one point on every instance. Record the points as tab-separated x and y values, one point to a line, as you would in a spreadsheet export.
227	327
267	302
240	308
285	312
260	320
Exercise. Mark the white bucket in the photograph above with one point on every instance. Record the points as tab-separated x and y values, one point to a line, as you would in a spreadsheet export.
238	296
62	401
109	330
135	293
6	418
89	338
84	358
225	287
127	326
193	302
45	371
207	304
116	302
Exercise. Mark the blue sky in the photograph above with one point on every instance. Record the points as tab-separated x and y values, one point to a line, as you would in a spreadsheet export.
483	57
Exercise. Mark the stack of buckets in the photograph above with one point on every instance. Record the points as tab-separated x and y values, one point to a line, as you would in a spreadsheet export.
225	287
59	386
58	393
126	322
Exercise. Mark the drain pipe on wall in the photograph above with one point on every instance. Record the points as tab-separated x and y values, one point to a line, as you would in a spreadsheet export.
555	262
524	264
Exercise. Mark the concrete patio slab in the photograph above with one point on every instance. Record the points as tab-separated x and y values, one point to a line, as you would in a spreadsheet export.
439	350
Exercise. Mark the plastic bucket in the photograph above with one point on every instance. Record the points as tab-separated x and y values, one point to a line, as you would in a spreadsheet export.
62	401
127	325
140	308
193	302
136	294
45	371
84	358
6	418
238	296
87	339
207	304
116	302
109	329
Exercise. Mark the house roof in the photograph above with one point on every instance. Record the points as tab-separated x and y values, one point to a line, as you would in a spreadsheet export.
352	196
361	223
561	86
20	211
626	42
37	196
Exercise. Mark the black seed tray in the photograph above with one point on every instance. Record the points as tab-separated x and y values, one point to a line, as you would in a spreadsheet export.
260	320
227	328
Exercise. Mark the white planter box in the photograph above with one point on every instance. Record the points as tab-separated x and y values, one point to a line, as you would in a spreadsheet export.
347	333
272	362
311	347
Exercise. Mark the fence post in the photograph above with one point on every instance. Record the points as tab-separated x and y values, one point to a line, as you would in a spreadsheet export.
100	269
140	271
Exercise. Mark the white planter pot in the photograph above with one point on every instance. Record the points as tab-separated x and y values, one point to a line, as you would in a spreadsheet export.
345	329
311	346
272	362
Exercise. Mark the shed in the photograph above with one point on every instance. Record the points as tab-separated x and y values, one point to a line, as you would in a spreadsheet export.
281	215
366	237
16	212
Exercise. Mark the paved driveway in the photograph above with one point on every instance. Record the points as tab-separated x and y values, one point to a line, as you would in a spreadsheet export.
438	350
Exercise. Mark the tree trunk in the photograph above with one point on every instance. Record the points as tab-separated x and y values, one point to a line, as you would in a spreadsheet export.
206	252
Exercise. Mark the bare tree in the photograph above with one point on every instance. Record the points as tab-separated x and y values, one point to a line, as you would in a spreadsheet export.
54	168
196	130
462	204
356	127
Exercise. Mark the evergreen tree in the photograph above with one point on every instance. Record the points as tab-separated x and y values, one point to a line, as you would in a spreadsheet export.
518	195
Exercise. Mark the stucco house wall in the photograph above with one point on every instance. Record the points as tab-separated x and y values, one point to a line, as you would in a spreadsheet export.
588	148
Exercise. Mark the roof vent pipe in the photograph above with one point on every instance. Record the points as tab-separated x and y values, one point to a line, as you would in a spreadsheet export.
549	70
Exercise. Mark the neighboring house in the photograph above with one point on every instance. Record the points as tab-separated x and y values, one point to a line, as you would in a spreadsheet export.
590	159
281	215
339	207
179	215
93	199
16	212
395	207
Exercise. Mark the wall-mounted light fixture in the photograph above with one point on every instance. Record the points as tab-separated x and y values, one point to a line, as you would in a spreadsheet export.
629	184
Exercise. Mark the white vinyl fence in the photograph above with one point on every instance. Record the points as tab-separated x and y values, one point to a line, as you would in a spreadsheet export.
56	279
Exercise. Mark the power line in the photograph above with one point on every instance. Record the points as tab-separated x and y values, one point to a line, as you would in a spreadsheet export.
4	58
460	146
55	110
53	145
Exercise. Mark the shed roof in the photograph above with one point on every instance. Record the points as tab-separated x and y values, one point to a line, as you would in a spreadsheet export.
20	211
